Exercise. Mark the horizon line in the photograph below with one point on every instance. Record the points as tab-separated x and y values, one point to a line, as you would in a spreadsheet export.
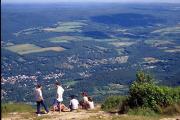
129	2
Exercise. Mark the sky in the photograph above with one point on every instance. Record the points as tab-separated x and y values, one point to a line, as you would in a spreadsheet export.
121	1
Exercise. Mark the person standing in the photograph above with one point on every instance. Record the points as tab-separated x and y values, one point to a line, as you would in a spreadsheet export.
39	99
59	95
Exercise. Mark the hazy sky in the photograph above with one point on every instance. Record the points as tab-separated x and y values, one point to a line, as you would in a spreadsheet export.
53	1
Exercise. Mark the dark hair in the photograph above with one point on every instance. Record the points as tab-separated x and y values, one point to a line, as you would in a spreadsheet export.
38	85
90	99
73	96
57	83
84	94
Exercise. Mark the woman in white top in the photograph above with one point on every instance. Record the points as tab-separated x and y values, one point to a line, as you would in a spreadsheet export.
84	102
91	103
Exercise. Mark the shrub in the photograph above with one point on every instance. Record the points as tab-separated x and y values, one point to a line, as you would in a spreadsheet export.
146	97
142	77
148	94
113	103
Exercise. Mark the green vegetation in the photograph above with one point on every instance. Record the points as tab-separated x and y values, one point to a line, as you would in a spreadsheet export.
123	117
111	89
146	98
145	93
15	107
142	111
112	103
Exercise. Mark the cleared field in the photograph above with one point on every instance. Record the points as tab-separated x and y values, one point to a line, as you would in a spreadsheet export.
66	27
63	29
62	39
168	30
69	38
79	38
28	31
173	50
59	27
122	44
152	60
164	45
71	23
31	48
157	43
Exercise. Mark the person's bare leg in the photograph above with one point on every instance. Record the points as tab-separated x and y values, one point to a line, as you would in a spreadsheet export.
54	108
59	106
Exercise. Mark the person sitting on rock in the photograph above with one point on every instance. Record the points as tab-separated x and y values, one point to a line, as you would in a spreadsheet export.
74	103
84	101
90	103
63	107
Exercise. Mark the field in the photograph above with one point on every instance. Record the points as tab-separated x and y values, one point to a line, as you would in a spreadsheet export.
66	27
31	48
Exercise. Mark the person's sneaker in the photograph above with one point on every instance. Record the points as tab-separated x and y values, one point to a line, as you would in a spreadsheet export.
46	112
39	115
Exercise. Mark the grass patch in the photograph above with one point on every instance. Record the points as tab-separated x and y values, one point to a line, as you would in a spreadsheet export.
15	107
112	103
133	117
123	117
142	112
173	109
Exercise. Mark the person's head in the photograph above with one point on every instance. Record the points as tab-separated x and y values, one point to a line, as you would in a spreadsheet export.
38	86
90	99
84	94
72	96
57	84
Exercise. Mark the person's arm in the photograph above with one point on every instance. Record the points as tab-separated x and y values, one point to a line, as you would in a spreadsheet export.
62	89
70	104
40	95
